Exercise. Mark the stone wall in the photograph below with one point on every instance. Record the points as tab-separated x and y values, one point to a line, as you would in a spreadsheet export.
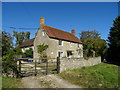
66	64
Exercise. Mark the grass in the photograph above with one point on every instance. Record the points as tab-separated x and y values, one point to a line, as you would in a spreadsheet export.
98	76
8	82
0	82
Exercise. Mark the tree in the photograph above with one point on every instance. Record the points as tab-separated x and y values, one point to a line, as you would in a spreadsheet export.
21	37
28	53
41	50
93	45
100	47
89	35
6	43
114	41
8	55
88	47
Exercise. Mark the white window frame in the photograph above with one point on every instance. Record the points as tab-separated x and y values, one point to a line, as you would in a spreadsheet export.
62	53
43	33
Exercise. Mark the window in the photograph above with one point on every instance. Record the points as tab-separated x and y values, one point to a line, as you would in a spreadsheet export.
60	54
69	53
61	42
43	33
78	45
70	44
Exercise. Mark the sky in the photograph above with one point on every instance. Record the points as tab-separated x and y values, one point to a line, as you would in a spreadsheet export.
66	16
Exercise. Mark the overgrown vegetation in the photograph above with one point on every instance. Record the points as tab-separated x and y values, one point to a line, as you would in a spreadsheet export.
41	50
21	37
98	76
11	51
28	53
8	55
93	45
8	82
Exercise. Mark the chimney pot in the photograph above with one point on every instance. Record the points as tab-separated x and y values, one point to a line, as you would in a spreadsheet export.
41	21
73	31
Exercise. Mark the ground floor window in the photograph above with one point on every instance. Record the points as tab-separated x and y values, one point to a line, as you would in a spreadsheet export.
69	53
60	53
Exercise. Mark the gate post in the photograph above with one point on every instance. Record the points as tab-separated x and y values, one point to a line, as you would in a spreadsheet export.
35	68
19	67
46	66
58	64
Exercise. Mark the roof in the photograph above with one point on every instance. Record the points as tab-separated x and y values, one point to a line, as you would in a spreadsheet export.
27	43
60	34
53	33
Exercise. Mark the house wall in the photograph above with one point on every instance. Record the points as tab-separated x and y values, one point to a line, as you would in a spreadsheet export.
54	47
26	48
64	48
40	39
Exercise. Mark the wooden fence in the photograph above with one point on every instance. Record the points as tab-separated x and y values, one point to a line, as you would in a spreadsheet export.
38	66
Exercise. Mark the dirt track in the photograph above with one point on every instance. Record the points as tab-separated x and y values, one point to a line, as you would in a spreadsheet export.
48	81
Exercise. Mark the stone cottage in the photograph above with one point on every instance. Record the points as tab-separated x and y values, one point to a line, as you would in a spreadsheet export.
27	44
61	43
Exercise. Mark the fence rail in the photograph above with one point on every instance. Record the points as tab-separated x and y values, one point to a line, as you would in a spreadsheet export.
38	66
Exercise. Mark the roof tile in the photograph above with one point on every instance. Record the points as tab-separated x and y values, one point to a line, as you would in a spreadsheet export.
27	43
60	34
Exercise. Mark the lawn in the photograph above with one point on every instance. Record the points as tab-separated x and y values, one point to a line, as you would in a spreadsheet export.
98	76
8	82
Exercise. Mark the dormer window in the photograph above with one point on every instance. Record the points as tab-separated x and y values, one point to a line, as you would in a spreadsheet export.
43	33
60	42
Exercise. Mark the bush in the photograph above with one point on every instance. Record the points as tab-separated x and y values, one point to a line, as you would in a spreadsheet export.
28	53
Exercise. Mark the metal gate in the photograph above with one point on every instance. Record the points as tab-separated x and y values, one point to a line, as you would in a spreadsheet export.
38	66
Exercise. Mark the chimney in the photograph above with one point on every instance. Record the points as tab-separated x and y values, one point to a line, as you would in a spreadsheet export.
73	31
41	21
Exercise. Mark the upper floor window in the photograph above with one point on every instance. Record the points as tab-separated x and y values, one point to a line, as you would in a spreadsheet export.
43	33
70	44
61	42
78	45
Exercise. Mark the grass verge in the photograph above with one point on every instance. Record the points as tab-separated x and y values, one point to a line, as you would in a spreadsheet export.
98	76
8	82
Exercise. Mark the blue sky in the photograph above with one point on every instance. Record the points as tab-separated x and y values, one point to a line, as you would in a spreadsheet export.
65	16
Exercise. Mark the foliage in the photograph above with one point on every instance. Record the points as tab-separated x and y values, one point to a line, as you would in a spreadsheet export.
21	37
11	82
7	54
88	47
98	76
41	49
10	54
99	47
88	35
92	44
79	50
28	53
6	43
17	51
0	44
114	41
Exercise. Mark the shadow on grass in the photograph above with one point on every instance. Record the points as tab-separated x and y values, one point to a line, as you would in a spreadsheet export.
114	63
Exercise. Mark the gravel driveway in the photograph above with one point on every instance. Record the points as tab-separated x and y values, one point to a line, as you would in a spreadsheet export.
47	81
